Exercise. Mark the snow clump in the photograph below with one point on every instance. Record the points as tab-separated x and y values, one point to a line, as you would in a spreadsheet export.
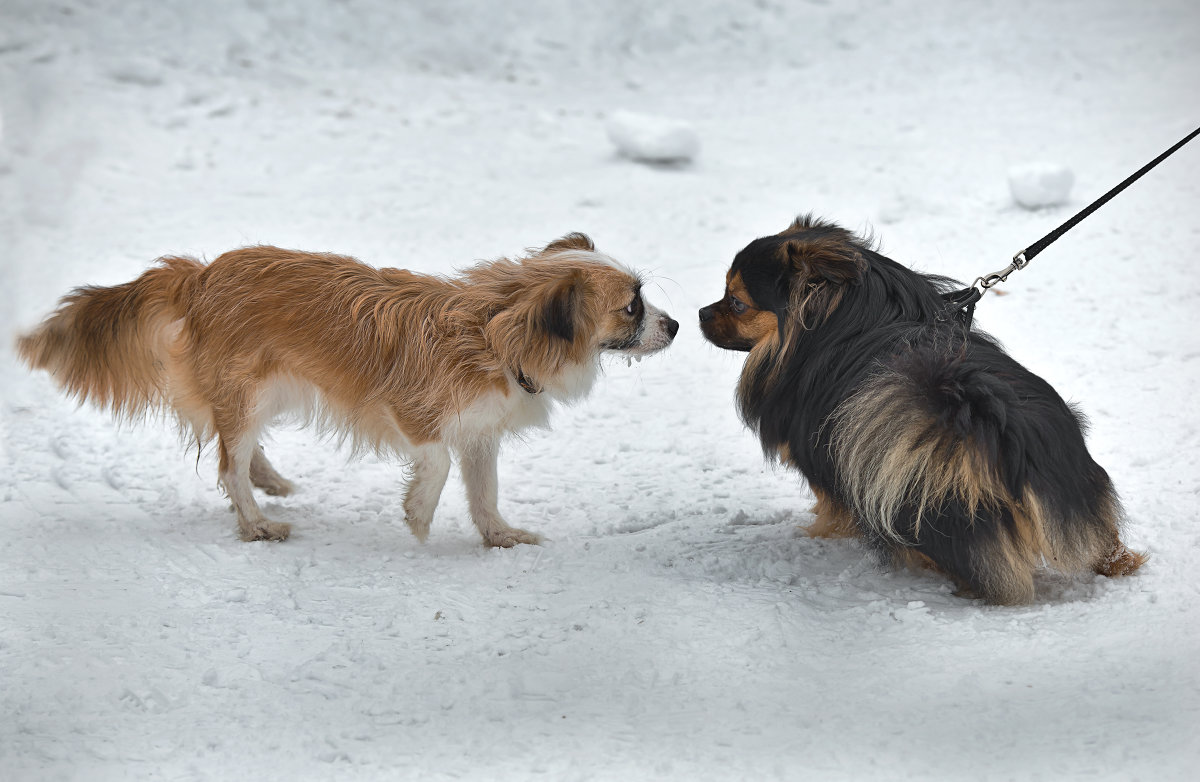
1038	185
651	139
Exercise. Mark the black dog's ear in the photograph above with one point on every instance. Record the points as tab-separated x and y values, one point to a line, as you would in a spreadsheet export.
561	306
832	259
572	241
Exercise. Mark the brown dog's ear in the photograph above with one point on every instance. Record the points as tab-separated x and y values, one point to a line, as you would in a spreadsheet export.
572	241
543	325
825	259
561	305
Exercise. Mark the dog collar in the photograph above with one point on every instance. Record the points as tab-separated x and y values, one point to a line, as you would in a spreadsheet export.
524	382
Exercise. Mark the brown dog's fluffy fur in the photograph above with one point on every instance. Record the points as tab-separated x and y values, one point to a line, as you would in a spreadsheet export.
396	361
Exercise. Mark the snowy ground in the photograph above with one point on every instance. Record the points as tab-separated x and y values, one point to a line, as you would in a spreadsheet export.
676	625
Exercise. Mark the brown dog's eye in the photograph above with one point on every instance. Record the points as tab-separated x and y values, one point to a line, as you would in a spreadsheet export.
737	305
634	308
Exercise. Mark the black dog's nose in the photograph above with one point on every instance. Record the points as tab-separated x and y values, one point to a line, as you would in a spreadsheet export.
672	327
707	314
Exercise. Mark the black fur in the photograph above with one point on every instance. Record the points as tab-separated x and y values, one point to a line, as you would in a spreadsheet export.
561	309
869	315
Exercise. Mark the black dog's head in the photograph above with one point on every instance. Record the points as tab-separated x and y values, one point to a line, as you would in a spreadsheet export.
796	276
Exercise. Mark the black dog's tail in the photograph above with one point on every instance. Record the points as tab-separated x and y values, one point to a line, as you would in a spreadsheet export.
979	465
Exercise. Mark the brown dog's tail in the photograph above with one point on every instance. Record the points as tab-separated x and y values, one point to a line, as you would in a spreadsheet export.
112	346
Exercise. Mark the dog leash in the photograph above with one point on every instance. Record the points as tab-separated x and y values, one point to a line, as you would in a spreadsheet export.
960	305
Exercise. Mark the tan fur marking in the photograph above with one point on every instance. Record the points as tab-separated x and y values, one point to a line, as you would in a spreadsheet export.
785	455
833	520
754	324
892	454
750	328
915	560
1120	562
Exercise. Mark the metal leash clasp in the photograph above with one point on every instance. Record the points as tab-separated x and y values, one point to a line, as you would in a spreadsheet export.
960	305
986	282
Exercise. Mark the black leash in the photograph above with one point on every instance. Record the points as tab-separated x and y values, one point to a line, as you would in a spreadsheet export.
960	305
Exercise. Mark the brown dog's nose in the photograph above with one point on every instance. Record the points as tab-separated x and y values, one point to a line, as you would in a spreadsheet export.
707	313
672	327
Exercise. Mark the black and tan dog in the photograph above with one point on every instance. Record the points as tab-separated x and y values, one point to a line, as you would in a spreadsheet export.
917	433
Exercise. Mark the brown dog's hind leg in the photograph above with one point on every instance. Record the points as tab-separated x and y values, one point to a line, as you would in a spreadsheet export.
264	476
236	455
430	466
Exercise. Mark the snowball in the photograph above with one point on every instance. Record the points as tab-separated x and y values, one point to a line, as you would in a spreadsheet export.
651	139
1035	185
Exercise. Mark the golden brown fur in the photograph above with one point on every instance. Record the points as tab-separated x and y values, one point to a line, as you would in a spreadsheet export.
830	518
396	361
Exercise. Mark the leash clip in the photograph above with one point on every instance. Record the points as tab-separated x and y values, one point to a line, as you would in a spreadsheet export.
960	305
987	281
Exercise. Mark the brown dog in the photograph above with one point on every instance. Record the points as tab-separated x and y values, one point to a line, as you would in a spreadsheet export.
396	361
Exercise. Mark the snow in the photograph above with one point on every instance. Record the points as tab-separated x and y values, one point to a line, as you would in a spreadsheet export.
1040	184
652	139
676	624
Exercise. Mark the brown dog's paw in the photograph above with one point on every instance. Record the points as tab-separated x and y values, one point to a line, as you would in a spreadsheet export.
265	530
419	527
507	538
277	488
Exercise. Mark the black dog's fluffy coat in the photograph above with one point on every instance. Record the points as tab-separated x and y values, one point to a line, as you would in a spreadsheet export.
919	434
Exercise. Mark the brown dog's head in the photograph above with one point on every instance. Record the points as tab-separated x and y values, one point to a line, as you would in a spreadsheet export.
575	297
796	276
562	307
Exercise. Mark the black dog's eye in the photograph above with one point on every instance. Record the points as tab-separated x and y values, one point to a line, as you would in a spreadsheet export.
737	305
